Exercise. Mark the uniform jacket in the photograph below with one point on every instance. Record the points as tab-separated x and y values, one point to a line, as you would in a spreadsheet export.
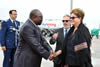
32	46
7	34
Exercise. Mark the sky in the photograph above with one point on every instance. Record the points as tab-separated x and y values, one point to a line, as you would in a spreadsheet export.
52	9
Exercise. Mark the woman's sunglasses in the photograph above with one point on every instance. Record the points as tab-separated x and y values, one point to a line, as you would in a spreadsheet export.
73	17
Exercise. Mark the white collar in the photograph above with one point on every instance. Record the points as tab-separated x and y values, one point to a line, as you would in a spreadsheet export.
11	20
66	29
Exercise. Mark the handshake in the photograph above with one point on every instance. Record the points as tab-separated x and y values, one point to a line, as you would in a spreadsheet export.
54	54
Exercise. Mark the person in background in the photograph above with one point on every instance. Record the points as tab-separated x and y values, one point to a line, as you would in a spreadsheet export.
0	29
9	38
58	38
32	46
0	26
95	32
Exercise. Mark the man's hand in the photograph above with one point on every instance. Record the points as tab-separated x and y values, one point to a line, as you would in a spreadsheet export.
54	54
3	48
57	53
51	55
55	36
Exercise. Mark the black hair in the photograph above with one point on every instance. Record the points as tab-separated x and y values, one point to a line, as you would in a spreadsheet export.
10	12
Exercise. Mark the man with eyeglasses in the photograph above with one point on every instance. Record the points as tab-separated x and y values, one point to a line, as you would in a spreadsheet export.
9	38
58	38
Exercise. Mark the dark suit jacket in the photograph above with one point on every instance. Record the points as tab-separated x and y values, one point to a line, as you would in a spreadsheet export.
32	46
59	43
7	34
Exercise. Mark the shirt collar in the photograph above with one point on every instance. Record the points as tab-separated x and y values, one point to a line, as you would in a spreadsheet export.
66	29
12	20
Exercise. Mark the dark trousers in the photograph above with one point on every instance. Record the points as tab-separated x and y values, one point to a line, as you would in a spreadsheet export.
73	66
58	65
97	36
9	57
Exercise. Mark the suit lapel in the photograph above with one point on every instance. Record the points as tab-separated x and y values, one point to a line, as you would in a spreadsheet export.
61	34
10	22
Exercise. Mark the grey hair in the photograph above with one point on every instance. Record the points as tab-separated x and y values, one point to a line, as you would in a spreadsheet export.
66	15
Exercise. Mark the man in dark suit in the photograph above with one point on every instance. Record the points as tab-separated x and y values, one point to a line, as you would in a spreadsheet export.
32	46
9	38
58	38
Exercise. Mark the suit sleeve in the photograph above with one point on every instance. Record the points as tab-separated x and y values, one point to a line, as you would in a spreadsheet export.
45	44
3	32
30	37
52	40
87	36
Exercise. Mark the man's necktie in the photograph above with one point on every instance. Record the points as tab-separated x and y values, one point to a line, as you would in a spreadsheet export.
14	23
65	33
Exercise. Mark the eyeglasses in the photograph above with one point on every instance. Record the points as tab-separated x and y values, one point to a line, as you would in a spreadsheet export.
65	20
73	17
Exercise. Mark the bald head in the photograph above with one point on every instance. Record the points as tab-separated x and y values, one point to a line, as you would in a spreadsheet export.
36	16
35	13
